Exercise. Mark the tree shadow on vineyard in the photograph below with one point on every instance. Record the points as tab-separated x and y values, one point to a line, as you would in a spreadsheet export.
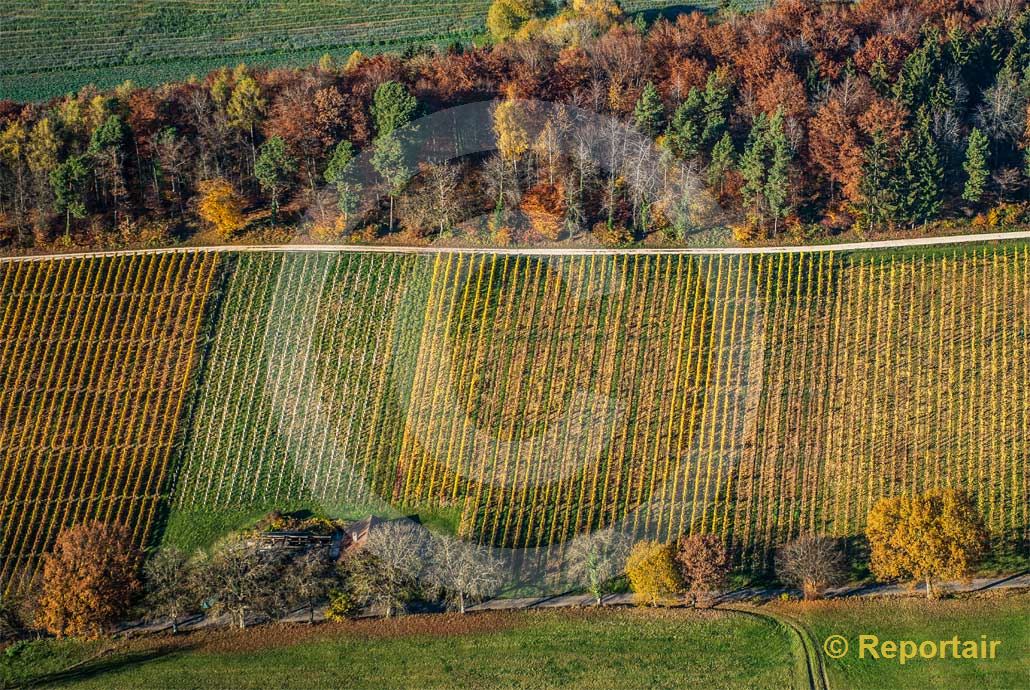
205	339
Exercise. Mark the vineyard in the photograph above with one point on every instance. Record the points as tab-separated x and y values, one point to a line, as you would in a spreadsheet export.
95	356
52	48
534	398
755	396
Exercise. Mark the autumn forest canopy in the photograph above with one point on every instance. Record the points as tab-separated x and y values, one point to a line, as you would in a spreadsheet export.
799	121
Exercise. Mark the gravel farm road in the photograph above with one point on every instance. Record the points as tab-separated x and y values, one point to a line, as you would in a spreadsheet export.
547	251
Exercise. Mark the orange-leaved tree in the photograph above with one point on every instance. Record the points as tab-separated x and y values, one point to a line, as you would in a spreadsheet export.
89	580
939	534
704	564
222	207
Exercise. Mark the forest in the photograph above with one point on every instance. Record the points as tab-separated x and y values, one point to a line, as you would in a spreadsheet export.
802	121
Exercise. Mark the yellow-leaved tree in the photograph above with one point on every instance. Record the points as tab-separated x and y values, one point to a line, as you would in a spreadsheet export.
511	128
936	535
222	207
652	572
506	17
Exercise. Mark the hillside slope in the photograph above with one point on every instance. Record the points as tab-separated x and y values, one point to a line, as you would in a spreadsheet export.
530	398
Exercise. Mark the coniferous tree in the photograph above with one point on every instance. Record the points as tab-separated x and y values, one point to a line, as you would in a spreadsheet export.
920	71
392	107
390	161
339	174
716	108
922	172
753	166
879	183
975	167
273	170
765	167
67	181
723	159
649	111
684	135
777	182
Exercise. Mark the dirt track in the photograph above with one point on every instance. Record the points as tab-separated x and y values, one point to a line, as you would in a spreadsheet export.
529	251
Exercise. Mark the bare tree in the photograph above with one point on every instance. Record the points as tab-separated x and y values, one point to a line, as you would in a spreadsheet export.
241	579
434	202
170	586
596	559
812	563
385	573
1002	115
462	572
1000	9
308	579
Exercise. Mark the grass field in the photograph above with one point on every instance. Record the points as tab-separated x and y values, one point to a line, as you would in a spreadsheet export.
999	618
514	400
625	649
50	48
560	648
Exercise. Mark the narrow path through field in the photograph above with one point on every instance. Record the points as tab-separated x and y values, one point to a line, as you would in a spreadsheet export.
544	251
810	657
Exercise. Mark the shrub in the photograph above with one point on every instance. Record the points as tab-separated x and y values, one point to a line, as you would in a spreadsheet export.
811	563
9	623
612	235
652	573
703	564
89	580
342	605
936	535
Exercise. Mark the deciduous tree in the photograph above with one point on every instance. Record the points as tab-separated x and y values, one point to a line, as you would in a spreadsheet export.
652	573
462	573
704	564
385	572
936	535
89	580
812	563
170	586
596	559
222	207
308	579
240	579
